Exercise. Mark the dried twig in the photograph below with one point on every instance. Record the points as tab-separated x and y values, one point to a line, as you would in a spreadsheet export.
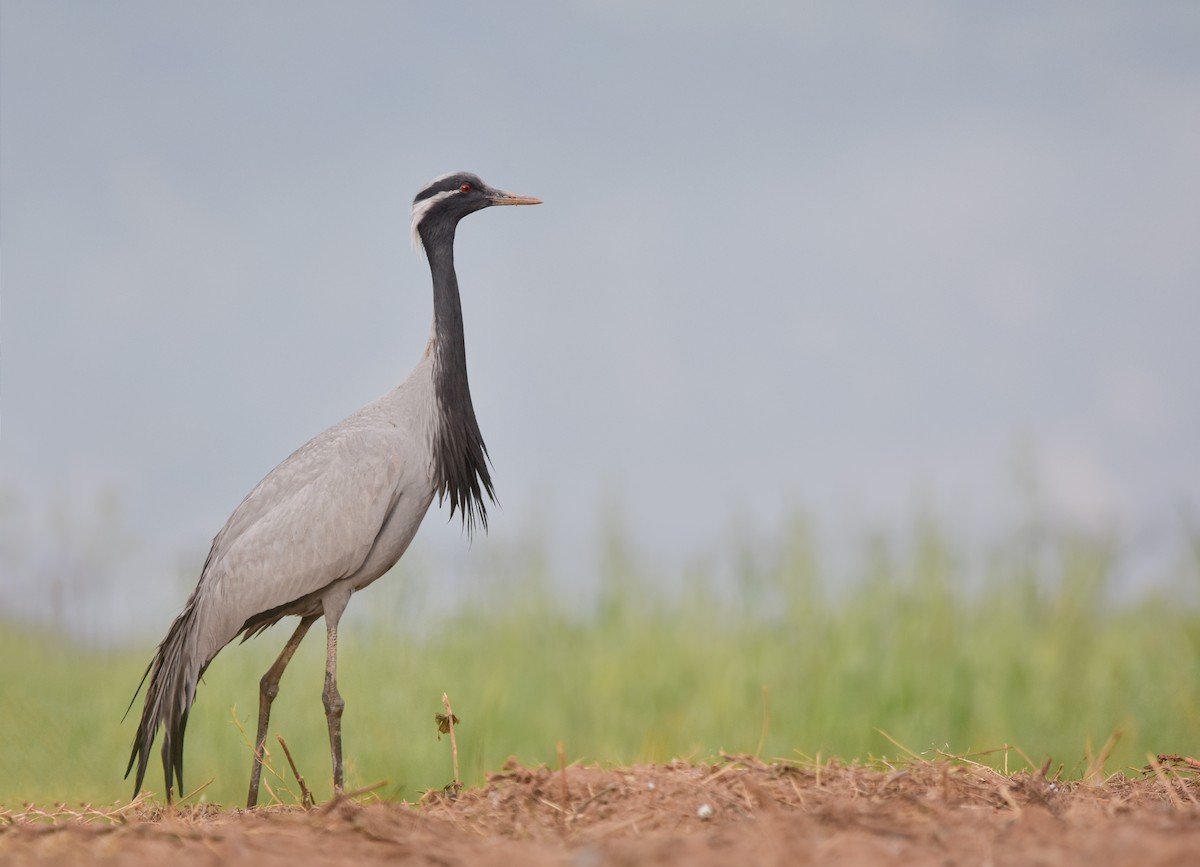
916	756
1095	768
1171	758
346	797
1183	787
562	766
1166	782
195	791
451	719
306	798
578	809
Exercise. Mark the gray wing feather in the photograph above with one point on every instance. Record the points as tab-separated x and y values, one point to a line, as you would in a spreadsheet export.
312	521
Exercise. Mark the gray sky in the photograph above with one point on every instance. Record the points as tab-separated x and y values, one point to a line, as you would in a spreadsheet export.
850	257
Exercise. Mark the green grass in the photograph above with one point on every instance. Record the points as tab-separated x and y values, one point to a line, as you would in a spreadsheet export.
1029	645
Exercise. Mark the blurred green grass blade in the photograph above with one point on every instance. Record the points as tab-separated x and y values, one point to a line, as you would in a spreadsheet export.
1029	645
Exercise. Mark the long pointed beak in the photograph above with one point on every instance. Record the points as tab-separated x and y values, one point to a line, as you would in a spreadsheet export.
499	197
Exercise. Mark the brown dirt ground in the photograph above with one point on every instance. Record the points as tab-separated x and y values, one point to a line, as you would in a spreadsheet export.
737	811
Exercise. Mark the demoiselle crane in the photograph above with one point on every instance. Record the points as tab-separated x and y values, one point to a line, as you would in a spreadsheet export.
337	514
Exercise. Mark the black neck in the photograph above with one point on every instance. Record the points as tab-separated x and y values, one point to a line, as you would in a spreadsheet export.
460	456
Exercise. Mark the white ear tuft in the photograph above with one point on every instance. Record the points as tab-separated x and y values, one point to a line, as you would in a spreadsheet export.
420	209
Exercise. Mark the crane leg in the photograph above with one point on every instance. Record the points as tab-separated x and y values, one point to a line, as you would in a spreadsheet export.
268	688
333	706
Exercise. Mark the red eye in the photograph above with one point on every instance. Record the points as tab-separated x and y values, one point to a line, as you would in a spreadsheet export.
465	188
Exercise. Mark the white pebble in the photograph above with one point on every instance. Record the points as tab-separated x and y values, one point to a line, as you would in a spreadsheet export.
705	811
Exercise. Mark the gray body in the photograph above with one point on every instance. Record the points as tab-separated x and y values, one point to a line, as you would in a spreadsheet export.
337	513
333	517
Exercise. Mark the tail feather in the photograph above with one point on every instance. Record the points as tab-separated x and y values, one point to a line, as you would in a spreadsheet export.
173	675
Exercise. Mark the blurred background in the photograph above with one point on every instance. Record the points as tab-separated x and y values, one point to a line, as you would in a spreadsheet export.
852	279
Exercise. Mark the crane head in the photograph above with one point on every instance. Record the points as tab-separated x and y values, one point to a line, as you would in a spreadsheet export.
447	199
